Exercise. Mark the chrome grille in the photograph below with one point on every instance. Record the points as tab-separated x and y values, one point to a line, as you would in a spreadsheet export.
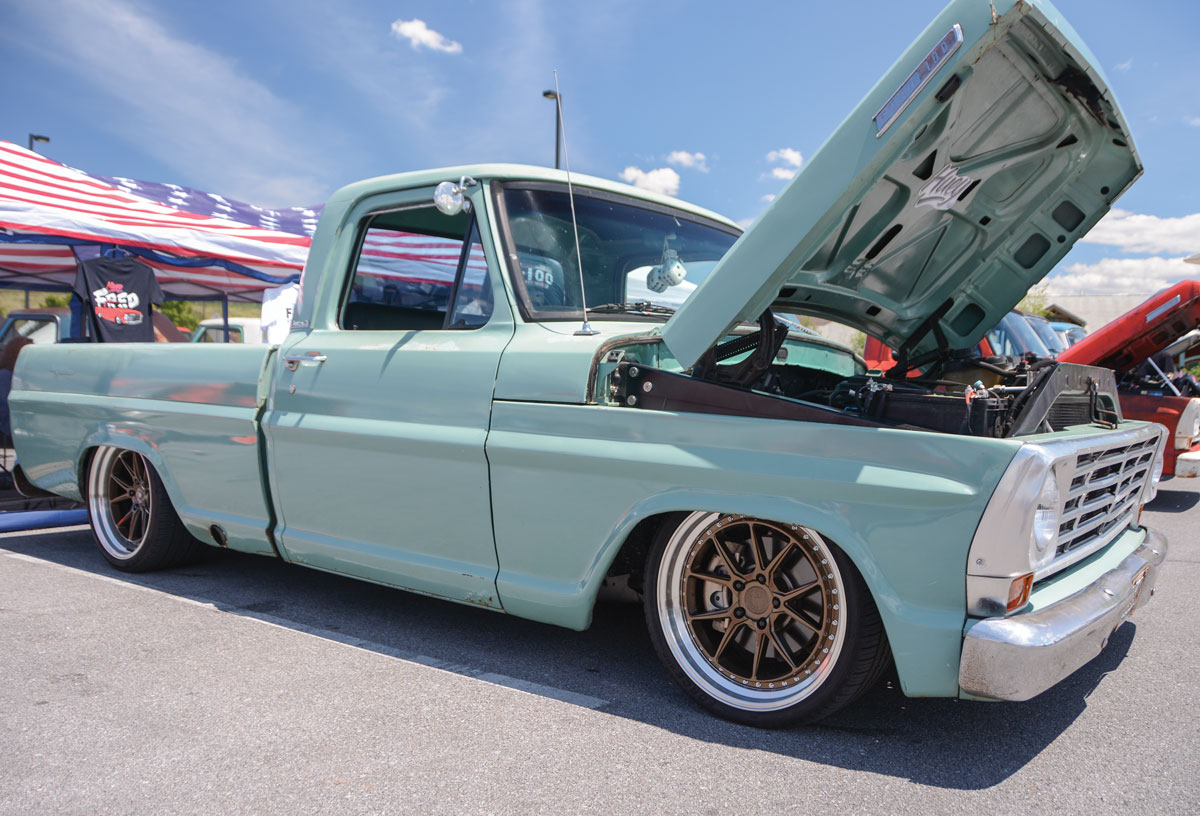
1102	499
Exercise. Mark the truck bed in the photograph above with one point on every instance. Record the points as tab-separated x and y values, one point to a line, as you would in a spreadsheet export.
191	410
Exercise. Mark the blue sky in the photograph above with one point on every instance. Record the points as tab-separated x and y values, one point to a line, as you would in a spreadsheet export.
279	102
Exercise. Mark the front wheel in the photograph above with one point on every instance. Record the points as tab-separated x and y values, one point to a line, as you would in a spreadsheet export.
132	519
762	623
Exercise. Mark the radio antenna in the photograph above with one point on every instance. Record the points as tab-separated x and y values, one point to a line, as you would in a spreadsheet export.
586	329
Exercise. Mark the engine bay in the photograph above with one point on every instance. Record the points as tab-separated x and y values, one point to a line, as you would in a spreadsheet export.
949	392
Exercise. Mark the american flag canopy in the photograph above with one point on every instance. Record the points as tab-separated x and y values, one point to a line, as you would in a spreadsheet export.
198	243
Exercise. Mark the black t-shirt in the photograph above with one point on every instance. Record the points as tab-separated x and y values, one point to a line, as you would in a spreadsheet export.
119	293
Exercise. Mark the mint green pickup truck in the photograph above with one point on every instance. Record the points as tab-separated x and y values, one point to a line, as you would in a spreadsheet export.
508	391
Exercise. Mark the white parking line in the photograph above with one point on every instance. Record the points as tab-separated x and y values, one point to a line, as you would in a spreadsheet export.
470	672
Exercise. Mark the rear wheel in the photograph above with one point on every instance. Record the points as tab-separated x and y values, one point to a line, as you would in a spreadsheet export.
763	623
132	519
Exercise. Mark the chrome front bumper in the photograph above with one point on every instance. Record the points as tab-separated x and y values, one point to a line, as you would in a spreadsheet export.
1019	657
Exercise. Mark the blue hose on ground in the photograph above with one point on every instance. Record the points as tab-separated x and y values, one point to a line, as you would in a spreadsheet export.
40	519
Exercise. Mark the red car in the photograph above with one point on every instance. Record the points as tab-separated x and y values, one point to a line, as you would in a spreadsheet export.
1128	343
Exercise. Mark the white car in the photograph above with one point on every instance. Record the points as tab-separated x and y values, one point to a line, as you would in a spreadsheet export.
241	330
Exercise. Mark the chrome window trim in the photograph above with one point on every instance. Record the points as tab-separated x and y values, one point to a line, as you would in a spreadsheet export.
1170	304
931	65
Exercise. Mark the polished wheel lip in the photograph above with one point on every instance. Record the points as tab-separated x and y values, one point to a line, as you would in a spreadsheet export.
693	658
119	501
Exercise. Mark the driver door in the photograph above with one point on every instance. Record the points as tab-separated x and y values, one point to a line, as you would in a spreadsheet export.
376	427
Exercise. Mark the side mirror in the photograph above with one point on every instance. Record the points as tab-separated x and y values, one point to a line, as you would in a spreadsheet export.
449	197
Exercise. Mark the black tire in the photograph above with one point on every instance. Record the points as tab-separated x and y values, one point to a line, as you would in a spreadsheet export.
764	624
133	522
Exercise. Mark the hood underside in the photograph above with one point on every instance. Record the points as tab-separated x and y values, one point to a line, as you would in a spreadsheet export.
957	184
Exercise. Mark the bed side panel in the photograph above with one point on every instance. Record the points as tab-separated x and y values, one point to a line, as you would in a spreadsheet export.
191	410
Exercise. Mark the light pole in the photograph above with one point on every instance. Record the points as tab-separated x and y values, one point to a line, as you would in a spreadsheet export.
557	122
34	137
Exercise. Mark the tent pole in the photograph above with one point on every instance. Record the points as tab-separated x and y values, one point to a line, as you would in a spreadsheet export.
225	313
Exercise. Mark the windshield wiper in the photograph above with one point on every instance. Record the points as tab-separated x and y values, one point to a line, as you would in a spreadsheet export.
643	306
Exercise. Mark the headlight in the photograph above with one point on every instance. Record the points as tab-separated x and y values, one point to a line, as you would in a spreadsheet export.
1046	515
1156	471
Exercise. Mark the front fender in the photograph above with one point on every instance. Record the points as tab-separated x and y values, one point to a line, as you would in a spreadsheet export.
570	483
925	636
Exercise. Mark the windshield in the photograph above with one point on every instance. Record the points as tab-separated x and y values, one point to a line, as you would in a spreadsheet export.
36	330
1069	333
1013	337
1045	331
637	257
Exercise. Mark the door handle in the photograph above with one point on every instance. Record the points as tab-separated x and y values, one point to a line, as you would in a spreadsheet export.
293	360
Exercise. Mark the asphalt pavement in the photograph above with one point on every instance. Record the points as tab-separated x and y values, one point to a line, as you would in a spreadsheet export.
245	685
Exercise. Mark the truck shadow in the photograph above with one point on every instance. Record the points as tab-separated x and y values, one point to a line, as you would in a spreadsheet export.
884	732
1174	501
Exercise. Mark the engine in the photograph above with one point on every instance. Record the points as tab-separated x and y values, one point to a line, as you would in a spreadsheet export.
748	375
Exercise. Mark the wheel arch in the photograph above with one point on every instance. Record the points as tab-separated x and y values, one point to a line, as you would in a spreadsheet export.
123	439
634	530
925	644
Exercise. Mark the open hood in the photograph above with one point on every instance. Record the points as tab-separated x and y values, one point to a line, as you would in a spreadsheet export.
1125	343
958	183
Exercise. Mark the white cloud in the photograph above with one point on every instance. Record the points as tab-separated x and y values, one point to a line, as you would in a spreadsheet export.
421	36
696	161
662	180
789	158
786	155
1136	232
191	108
1113	276
769	197
1193	121
1126	65
745	223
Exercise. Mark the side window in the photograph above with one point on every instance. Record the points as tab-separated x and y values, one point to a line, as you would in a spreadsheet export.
473	300
216	334
999	341
36	331
412	265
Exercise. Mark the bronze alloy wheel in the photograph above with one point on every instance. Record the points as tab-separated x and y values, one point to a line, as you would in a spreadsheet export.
764	623
133	521
751	609
119	500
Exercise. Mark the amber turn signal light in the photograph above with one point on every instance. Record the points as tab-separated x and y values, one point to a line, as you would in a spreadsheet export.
1018	592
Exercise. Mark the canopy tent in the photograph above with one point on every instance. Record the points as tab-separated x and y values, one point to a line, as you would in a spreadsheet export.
201	245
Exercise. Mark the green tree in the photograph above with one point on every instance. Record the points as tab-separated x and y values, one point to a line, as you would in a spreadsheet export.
181	313
858	343
56	301
1036	301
